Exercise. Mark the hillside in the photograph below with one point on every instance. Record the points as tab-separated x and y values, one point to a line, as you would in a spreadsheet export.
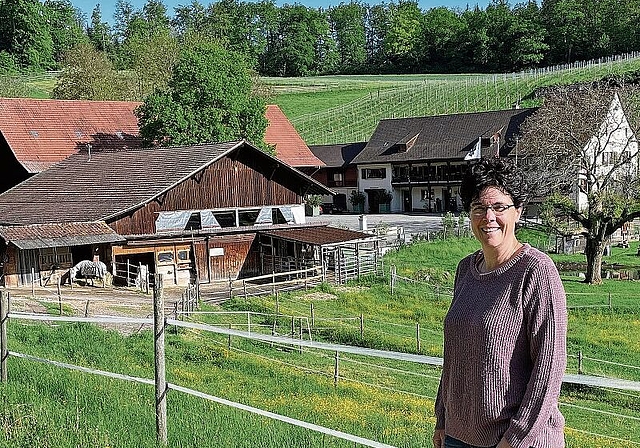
317	108
341	109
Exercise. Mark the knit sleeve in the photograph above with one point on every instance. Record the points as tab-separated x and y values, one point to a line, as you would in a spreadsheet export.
545	313
439	405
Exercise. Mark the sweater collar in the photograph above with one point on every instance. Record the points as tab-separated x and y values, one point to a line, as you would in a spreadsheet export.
477	258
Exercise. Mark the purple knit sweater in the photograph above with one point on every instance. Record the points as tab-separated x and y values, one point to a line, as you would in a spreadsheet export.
505	354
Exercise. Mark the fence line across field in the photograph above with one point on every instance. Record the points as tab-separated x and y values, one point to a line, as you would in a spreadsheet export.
579	379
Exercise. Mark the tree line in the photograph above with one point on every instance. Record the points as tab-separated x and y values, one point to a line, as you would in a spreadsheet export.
350	38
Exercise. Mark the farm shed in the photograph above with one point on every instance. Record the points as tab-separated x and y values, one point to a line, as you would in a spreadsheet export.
47	250
163	205
346	253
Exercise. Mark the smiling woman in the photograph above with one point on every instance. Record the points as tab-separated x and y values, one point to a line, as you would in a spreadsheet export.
505	332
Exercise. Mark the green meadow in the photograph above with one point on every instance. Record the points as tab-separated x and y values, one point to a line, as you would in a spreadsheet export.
384	400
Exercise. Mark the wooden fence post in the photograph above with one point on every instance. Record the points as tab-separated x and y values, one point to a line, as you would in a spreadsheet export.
4	350
273	282
293	327
336	369
361	326
160	379
59	297
580	370
33	283
248	321
313	316
300	335
418	336
86	309
128	273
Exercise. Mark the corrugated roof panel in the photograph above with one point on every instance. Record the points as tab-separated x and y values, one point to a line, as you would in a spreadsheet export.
39	236
320	236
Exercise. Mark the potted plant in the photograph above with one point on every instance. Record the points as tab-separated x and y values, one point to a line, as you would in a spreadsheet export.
385	201
357	200
312	205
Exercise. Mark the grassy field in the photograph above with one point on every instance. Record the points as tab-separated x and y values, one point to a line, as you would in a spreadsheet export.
388	401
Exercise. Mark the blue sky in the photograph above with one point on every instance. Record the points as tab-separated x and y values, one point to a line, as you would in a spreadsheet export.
107	7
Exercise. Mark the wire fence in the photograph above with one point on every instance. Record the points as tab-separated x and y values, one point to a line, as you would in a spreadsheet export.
307	345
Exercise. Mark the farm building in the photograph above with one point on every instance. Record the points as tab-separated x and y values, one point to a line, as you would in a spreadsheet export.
417	163
192	213
289	146
35	134
339	173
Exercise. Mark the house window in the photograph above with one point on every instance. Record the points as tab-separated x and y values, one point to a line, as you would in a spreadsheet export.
374	173
183	255
425	195
335	178
609	158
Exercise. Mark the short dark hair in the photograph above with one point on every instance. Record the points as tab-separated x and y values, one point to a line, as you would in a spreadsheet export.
501	173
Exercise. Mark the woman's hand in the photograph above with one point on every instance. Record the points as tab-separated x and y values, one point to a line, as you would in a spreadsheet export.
438	438
503	444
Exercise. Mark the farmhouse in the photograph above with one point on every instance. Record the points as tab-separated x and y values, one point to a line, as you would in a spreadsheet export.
194	213
35	134
416	164
338	173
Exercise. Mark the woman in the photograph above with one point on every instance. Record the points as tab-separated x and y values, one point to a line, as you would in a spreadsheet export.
505	332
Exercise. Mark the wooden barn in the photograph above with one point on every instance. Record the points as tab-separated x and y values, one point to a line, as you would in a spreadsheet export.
190	213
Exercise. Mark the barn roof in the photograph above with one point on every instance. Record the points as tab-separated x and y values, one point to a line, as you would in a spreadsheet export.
41	132
58	235
290	147
320	236
441	137
104	185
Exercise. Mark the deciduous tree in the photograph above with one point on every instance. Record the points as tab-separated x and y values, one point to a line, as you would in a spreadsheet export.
88	74
25	34
210	98
581	154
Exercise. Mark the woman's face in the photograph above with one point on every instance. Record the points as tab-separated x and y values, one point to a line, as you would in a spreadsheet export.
494	231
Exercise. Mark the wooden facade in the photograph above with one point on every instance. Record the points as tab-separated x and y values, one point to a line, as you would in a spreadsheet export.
217	186
190	213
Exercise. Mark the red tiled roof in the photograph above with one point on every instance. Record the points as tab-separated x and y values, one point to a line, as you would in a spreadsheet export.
43	132
290	147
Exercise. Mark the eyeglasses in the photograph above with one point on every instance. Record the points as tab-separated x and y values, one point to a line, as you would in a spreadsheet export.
498	209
